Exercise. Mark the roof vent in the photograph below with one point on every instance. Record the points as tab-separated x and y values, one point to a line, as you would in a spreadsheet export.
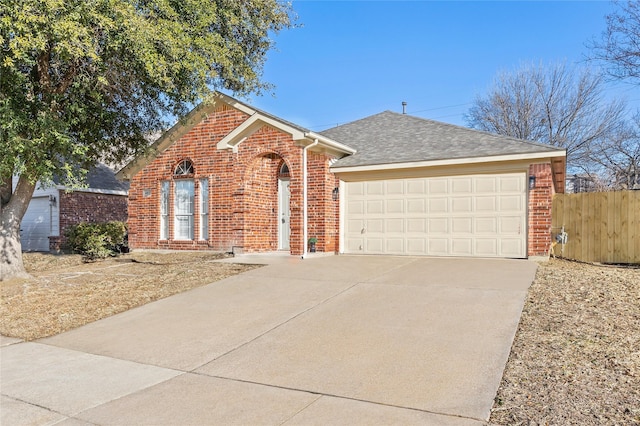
404	107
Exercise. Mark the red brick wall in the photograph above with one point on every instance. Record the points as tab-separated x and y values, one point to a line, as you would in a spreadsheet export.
77	207
540	201
323	210
261	204
243	185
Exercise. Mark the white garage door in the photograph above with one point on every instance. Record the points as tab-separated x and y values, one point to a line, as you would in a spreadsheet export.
36	225
476	215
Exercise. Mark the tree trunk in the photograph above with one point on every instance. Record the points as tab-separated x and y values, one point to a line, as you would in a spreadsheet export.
11	215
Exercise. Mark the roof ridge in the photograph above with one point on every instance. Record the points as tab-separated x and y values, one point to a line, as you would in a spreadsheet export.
460	127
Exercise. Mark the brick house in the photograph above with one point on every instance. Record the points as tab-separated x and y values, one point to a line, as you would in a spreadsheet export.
234	178
54	209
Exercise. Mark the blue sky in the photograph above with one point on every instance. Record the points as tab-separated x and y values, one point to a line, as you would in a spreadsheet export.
352	59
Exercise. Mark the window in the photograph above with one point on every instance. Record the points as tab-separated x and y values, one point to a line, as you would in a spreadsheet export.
164	210
183	209
185	167
204	209
284	170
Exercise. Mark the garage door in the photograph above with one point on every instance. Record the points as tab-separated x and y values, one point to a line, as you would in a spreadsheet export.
475	215
36	225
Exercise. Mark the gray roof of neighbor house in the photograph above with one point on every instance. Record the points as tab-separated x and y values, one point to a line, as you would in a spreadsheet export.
102	177
389	137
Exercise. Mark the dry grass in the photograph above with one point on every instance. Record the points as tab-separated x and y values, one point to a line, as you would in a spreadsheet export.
576	356
65	293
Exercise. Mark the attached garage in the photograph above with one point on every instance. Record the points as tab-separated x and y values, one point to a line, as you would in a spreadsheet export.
421	187
472	215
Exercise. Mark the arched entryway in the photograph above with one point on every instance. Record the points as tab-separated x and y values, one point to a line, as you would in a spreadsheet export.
267	198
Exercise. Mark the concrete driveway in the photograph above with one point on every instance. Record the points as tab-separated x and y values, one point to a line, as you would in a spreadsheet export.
327	340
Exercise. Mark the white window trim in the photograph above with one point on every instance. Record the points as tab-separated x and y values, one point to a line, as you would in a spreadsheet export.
204	208
165	192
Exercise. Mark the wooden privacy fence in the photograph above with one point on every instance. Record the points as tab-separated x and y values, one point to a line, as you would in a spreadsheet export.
600	226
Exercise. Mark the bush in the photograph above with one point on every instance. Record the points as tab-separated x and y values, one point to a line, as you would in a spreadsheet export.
97	240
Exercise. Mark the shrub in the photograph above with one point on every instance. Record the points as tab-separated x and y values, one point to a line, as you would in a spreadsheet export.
97	240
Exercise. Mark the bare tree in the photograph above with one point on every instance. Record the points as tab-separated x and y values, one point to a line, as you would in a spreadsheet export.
619	46
558	105
619	156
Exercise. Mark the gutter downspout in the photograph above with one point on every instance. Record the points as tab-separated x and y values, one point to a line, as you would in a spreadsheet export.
304	196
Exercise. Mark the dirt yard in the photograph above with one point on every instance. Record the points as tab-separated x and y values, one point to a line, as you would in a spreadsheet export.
576	356
575	359
65	293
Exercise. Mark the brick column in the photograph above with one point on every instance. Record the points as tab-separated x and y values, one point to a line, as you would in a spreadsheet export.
540	201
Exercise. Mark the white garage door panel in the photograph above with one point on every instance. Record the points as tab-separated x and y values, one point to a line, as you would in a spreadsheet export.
475	215
36	226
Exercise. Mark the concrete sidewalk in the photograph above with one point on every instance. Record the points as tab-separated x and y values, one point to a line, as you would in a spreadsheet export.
326	340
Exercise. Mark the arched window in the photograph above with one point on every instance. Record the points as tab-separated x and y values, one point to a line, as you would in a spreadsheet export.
284	170
184	167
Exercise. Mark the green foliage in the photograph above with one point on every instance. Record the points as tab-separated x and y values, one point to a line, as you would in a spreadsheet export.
97	240
87	80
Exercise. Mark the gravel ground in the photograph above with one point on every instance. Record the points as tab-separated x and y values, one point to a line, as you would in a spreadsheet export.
576	356
65	293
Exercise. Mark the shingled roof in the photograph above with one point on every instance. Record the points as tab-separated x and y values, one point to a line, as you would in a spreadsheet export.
103	177
100	178
392	138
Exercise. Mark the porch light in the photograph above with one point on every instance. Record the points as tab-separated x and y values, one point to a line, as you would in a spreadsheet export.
335	193
532	182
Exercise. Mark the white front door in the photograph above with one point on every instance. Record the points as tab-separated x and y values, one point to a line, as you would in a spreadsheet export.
284	213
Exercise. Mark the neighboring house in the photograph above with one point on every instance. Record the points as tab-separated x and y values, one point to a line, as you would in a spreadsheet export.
53	209
234	178
581	183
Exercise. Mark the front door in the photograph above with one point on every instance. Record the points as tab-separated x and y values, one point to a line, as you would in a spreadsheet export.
284	213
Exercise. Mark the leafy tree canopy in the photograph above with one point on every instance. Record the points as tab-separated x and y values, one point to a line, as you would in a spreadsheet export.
89	80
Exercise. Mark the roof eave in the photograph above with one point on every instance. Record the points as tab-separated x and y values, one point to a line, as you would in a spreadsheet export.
450	162
251	125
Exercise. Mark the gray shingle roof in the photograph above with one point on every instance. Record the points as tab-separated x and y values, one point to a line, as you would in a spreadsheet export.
389	137
102	177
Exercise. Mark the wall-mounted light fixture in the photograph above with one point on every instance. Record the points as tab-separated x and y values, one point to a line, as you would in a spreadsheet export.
532	182
52	200
335	194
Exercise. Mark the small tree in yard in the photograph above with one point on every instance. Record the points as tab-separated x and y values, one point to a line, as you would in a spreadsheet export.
83	81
